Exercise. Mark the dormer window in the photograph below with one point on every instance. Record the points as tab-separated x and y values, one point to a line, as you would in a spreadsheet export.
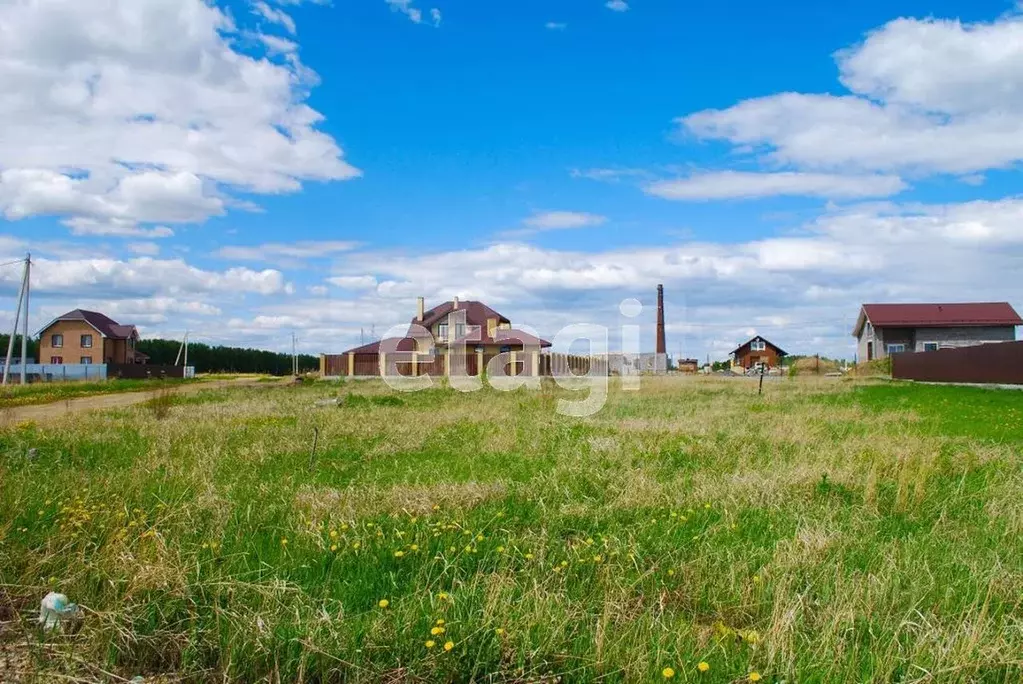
758	345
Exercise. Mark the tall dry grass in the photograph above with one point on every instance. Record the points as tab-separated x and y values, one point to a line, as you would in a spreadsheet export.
815	533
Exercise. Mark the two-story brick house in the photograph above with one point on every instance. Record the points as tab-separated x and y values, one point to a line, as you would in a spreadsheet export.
88	337
885	329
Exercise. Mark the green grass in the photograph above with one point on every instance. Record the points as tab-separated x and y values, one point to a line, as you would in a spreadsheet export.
825	532
48	392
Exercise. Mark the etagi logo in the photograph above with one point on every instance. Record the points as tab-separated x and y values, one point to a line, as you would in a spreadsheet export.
453	355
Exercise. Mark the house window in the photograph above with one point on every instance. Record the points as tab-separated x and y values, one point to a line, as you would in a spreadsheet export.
758	345
870	330
86	342
56	341
930	346
86	360
442	331
459	330
896	348
57	359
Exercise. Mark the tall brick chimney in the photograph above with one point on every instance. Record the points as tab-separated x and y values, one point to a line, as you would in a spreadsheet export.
661	346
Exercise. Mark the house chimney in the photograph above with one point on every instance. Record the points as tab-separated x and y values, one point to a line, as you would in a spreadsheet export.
420	308
661	346
454	303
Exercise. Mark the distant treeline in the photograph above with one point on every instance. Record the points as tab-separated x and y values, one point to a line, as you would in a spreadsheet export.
33	348
207	359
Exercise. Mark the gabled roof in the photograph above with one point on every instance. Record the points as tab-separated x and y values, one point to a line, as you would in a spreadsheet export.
778	350
104	325
476	313
961	314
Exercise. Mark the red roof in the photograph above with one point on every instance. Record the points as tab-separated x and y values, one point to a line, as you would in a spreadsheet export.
106	326
476	313
506	336
956	315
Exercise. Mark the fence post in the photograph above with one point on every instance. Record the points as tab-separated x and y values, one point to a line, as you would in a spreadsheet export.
323	365
536	364
415	362
479	363
383	364
351	364
514	364
447	363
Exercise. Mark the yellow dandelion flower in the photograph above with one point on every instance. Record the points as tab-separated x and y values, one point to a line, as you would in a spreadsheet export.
399	554
500	549
529	556
564	564
499	631
284	541
414	547
442	596
344	527
333	534
369	524
479	537
703	666
356	545
500	514
333	547
668	673
756	579
437	630
755	676
436	507
383	603
598	559
589	542
440	621
671	573
448	645
468	549
430	643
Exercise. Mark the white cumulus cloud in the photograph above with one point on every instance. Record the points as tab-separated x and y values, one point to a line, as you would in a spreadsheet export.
746	185
120	112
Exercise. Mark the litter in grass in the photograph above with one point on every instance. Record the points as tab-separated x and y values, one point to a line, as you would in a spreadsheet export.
54	610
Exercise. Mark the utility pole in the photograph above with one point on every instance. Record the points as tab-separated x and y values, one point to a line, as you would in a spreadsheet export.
24	329
294	356
181	348
186	349
14	331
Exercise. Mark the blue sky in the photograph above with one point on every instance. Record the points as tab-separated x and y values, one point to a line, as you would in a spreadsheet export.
244	170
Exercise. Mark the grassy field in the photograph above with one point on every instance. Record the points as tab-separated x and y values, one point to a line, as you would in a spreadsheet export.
828	531
48	392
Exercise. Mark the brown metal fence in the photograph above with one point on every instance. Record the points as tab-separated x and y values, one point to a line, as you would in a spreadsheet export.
136	371
368	365
997	363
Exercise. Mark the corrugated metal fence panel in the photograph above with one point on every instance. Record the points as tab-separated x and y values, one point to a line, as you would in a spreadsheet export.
55	372
135	371
997	363
335	365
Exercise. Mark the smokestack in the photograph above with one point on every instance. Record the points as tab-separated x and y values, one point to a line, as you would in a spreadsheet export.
454	303
661	346
420	309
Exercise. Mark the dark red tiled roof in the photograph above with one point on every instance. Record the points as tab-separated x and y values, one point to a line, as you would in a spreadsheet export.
393	343
938	315
778	350
107	326
476	313
505	336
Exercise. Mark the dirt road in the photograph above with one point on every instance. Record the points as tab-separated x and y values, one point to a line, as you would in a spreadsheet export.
44	412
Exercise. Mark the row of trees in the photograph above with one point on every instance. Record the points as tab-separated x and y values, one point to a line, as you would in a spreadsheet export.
209	359
33	347
205	358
